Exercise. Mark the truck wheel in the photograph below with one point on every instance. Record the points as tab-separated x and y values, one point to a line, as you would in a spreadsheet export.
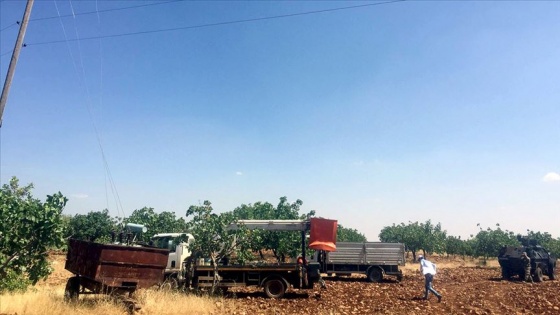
274	288
538	275
72	290
170	284
506	274
375	275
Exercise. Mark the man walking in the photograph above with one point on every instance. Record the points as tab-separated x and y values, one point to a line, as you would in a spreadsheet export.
428	269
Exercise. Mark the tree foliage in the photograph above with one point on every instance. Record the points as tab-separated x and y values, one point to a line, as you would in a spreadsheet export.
282	244
164	222
212	237
416	236
456	246
349	235
96	226
487	242
28	228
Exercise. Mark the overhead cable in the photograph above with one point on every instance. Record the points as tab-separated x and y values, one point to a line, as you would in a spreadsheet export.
219	23
92	12
103	11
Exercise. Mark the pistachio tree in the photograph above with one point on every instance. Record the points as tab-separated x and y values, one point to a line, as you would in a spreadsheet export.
282	244
163	222
28	229
212	237
95	226
487	242
344	234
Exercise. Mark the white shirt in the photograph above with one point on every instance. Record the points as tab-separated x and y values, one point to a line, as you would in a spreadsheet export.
426	267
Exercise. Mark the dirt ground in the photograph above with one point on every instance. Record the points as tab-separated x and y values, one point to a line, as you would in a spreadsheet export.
466	289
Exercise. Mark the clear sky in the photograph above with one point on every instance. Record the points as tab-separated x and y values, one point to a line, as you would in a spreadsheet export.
381	114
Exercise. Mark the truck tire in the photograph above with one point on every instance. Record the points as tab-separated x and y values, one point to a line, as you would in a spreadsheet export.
170	284
375	274
274	288
538	276
72	290
506	274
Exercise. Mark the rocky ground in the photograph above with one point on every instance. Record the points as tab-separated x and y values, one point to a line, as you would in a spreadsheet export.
466	289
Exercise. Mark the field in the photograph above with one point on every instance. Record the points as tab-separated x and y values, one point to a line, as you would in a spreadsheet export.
466	287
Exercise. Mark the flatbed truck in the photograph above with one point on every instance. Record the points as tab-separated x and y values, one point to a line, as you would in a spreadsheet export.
374	259
275	278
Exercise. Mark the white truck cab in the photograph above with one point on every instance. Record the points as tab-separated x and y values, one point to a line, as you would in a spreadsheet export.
178	246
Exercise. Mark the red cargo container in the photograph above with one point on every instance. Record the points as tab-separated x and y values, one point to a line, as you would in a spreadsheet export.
103	268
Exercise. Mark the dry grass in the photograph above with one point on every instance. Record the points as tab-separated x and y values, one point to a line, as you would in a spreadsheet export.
47	298
450	263
167	302
49	301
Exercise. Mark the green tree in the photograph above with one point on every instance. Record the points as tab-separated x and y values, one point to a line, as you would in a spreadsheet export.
545	240
28	228
281	243
164	222
96	226
487	242
349	235
393	234
456	246
416	236
432	238
212	238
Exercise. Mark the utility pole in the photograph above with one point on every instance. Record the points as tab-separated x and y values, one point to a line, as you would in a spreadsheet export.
15	56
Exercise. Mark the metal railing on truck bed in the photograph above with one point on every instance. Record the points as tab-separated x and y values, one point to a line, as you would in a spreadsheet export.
370	253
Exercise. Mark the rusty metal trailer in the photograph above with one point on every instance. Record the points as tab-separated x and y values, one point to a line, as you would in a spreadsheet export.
104	268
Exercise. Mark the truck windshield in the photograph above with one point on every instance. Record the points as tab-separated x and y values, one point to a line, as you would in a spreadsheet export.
166	242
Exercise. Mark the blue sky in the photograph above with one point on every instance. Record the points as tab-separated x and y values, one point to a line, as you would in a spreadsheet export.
398	112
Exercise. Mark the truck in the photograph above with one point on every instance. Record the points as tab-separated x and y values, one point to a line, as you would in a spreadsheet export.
374	259
179	253
190	271
542	262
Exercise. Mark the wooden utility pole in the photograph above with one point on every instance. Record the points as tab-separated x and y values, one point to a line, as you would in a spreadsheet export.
15	56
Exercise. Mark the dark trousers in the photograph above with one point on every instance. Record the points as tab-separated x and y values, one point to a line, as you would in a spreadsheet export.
428	285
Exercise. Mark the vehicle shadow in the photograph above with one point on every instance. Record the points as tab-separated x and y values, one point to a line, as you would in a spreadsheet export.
499	279
354	279
290	295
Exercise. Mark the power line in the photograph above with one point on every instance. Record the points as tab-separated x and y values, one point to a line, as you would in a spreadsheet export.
7	27
82	77
220	23
103	11
8	52
91	12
